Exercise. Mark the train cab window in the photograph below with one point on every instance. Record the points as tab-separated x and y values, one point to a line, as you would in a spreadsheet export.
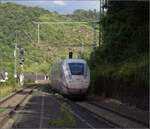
76	68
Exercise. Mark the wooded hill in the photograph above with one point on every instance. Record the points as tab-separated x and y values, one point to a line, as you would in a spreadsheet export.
16	26
120	67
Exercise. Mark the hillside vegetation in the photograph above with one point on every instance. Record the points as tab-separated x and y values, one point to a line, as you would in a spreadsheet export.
16	26
120	67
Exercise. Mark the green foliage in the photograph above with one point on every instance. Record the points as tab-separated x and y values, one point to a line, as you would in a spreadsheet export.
85	15
123	54
68	118
10	82
11	85
17	26
1	110
59	96
124	33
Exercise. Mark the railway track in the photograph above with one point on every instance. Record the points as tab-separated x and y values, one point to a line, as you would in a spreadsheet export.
122	114
90	114
83	114
113	117
10	104
45	106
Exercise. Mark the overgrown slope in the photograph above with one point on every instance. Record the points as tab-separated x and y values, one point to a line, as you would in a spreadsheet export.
120	68
17	26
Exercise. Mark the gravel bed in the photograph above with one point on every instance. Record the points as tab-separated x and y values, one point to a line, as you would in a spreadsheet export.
44	107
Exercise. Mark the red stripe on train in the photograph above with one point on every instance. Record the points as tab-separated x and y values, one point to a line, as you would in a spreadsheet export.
71	88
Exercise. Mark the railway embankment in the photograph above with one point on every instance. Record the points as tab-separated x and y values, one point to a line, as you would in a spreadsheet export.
127	82
9	104
9	87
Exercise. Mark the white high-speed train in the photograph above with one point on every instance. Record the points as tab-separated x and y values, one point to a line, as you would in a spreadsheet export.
70	77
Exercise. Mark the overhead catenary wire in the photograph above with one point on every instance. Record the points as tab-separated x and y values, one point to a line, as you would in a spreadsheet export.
54	22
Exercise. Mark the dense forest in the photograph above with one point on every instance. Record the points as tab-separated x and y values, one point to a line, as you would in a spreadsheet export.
17	27
120	67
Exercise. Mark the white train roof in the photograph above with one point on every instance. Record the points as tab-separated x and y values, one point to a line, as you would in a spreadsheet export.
74	60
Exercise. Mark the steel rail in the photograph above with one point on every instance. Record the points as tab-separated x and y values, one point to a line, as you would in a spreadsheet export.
7	116
120	114
9	97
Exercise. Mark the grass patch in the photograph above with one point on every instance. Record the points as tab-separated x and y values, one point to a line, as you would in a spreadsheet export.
6	90
108	100
67	119
59	96
9	86
14	118
1	110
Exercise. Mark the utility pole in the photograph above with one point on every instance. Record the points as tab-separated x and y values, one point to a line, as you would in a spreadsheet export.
15	56
99	34
15	60
38	33
99	22
94	37
21	65
102	8
36	63
82	47
102	2
79	54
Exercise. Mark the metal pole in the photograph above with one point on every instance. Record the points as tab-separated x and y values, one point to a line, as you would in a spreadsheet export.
82	47
103	8
38	43
36	71
38	33
36	74
99	34
79	54
15	55
99	23
100	9
94	41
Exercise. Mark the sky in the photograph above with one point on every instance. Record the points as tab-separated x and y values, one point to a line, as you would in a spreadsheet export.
61	6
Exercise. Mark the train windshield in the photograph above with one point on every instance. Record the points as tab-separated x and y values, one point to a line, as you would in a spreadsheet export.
76	68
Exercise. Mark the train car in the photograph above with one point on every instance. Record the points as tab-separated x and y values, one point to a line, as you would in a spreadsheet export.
71	77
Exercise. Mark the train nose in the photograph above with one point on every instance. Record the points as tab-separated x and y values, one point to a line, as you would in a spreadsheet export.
77	90
77	79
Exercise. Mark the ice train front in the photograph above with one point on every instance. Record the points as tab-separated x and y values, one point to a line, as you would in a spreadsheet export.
76	76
